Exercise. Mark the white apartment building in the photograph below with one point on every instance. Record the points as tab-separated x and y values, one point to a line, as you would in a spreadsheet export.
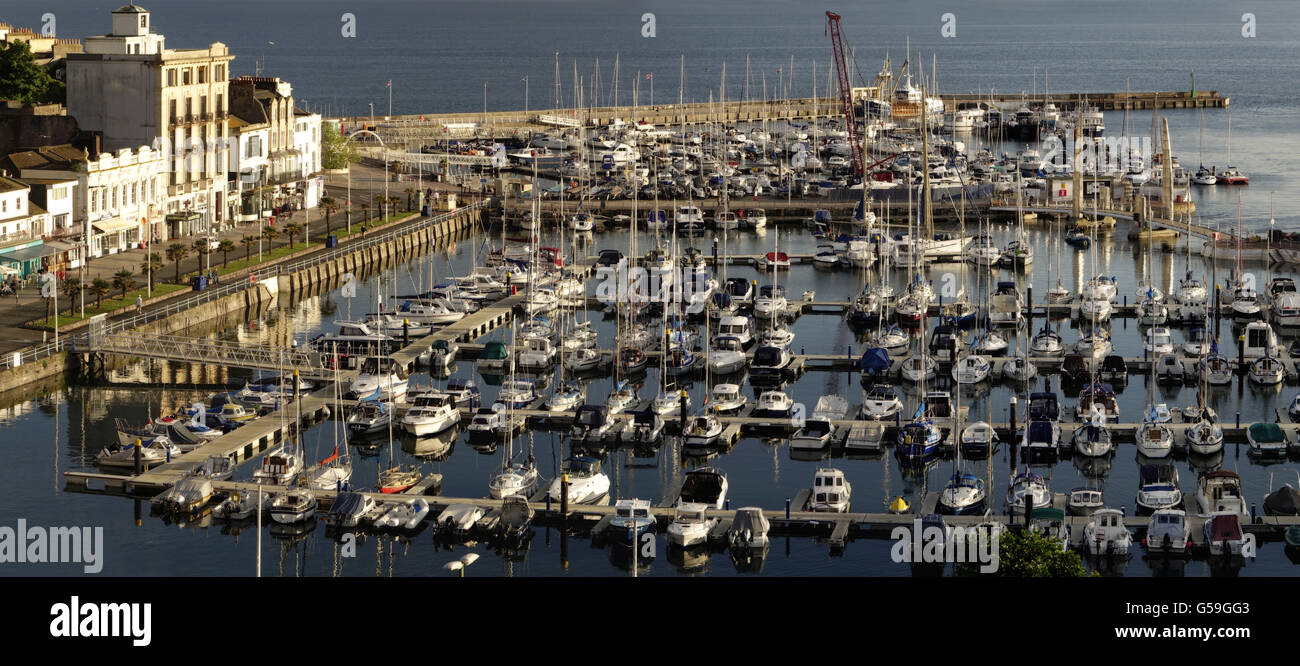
249	167
306	139
136	92
118	198
20	223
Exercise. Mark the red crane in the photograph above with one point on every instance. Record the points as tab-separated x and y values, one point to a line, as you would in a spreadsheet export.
846	91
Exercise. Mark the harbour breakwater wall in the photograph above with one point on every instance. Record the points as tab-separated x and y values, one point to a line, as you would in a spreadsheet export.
292	278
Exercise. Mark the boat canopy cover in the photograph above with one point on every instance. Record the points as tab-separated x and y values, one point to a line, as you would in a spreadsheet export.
644	417
875	359
1044	406
193	487
1266	432
591	415
495	350
582	464
441	345
1040	431
347	504
703	486
1047	513
1284	501
1098	390
1114	363
1225	527
769	357
750	518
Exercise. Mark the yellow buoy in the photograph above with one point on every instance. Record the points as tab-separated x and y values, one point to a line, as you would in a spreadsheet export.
899	505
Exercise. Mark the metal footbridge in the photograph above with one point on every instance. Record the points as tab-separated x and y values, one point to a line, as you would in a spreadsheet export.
212	352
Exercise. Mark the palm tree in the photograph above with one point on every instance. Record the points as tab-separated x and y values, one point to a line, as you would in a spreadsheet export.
249	242
204	248
225	247
291	230
328	204
270	234
124	281
365	208
150	266
99	287
71	289
382	202
410	192
176	252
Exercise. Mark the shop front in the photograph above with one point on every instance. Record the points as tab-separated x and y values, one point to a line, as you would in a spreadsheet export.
23	260
113	235
180	225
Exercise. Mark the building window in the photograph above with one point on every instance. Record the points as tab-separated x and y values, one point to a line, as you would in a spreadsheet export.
219	109
172	106
220	74
203	105
203	75
61	221
144	20
185	76
171	77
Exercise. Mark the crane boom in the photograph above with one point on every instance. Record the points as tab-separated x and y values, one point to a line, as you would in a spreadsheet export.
846	91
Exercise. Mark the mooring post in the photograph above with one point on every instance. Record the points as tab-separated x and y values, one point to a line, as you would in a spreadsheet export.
681	416
787	508
406	331
1030	297
1241	355
137	456
564	496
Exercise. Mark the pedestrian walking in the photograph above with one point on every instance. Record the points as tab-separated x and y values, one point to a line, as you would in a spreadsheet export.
139	304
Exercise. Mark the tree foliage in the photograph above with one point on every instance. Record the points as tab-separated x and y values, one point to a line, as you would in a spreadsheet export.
335	151
22	79
1029	554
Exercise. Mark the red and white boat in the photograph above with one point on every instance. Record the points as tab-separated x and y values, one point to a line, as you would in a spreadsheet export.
775	260
1231	176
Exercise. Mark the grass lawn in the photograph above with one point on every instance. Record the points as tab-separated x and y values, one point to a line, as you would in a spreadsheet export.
110	304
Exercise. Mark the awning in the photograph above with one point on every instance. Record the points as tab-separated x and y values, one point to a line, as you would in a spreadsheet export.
27	253
182	217
114	226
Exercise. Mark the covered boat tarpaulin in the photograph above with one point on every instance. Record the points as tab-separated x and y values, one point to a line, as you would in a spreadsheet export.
1225	527
875	361
1284	501
1266	433
347	504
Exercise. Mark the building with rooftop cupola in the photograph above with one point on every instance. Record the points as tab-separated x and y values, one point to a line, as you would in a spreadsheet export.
128	86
